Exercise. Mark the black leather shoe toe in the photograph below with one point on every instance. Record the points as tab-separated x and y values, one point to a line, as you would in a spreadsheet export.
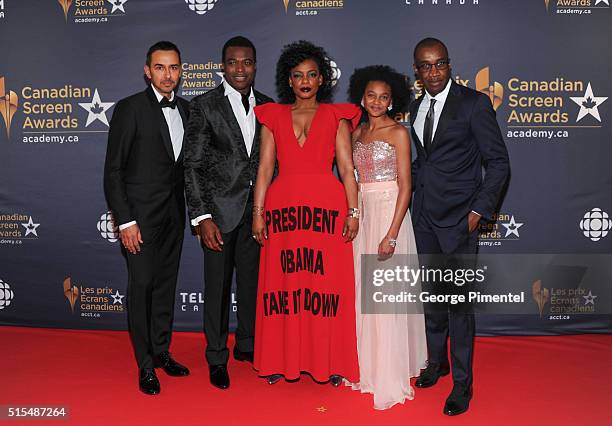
274	378
431	374
172	368
148	382
219	376
458	401
335	380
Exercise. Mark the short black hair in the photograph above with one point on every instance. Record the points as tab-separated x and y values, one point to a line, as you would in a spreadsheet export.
162	45
399	84
291	56
238	41
428	42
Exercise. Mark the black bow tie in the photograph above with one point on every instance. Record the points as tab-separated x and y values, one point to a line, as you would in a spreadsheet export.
165	103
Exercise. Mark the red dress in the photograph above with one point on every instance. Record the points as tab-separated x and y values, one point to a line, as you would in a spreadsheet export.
306	296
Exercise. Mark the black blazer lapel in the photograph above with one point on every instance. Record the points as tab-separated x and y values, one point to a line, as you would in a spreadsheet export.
163	126
228	114
449	112
414	110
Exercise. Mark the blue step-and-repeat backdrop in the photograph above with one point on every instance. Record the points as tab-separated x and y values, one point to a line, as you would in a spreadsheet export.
545	64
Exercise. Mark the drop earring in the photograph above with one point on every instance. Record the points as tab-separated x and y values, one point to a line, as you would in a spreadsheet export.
390	107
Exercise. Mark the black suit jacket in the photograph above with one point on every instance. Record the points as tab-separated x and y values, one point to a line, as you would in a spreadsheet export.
142	181
448	183
218	169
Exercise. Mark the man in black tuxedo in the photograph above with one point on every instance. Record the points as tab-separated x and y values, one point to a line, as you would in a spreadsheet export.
456	133
221	160
144	184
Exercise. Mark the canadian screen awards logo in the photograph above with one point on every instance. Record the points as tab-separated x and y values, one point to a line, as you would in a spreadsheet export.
201	7
542	109
16	227
6	295
92	11
55	115
576	7
108	228
595	224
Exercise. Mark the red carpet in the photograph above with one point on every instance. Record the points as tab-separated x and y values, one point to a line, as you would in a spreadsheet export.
564	380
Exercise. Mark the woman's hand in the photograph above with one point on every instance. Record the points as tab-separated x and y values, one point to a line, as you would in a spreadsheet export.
260	232
351	227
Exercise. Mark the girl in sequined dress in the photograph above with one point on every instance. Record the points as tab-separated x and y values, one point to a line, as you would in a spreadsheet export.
390	340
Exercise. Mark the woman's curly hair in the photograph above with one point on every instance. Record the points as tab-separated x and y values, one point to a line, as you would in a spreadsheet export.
399	84
294	54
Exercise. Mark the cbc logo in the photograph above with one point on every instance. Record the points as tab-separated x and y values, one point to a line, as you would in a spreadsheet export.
201	6
6	295
108	229
595	224
336	73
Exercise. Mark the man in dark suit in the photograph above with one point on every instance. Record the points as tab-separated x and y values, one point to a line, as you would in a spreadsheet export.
221	160
144	184
456	133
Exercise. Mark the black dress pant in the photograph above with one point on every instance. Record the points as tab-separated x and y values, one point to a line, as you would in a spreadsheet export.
151	290
240	252
456	321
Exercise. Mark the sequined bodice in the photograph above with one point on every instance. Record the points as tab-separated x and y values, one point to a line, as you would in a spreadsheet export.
375	161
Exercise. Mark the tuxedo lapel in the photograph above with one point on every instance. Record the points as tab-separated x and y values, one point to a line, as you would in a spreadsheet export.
163	126
183	114
228	114
449	112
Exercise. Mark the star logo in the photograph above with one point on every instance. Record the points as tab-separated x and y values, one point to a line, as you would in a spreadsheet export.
117	5
602	1
117	298
96	109
321	409
588	104
30	227
512	227
589	299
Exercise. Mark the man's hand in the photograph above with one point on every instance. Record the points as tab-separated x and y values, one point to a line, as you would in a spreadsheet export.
131	238
210	234
473	219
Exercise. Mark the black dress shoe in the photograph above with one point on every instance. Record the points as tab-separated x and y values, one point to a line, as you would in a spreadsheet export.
459	400
242	356
172	368
219	376
431	374
147	381
335	380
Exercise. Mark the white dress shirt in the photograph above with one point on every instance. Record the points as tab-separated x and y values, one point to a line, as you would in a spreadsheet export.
419	122
175	126
246	122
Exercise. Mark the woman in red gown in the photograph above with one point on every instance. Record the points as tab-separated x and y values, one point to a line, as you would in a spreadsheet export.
305	220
